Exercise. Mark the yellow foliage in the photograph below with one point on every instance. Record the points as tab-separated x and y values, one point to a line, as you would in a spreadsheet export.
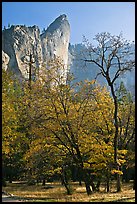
122	152
114	171
121	161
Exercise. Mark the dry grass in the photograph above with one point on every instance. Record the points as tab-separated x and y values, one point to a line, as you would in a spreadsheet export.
57	193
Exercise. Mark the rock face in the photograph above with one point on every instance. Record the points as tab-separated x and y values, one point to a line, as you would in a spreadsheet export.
19	41
5	60
55	39
55	42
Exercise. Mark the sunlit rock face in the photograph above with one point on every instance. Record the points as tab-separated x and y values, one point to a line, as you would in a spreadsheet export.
55	39
19	41
5	60
55	42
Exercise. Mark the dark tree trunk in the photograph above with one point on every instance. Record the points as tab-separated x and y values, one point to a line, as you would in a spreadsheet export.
87	181
65	182
10	180
43	182
116	136
126	178
69	191
98	185
80	177
93	185
107	184
118	183
88	189
80	183
118	180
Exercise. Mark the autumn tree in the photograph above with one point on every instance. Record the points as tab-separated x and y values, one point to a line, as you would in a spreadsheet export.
113	56
126	138
71	117
11	138
59	124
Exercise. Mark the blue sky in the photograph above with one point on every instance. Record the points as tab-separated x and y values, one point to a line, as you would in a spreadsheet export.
85	18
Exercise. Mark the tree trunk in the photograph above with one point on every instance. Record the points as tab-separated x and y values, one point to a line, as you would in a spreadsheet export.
118	183
116	136
80	183
98	185
80	177
10	180
125	176
84	175
93	185
67	186
43	182
87	182
88	189
65	182
107	184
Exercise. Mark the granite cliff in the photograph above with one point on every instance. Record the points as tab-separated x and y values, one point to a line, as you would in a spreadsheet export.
18	41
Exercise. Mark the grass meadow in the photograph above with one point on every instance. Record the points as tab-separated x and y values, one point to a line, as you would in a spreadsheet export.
55	192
